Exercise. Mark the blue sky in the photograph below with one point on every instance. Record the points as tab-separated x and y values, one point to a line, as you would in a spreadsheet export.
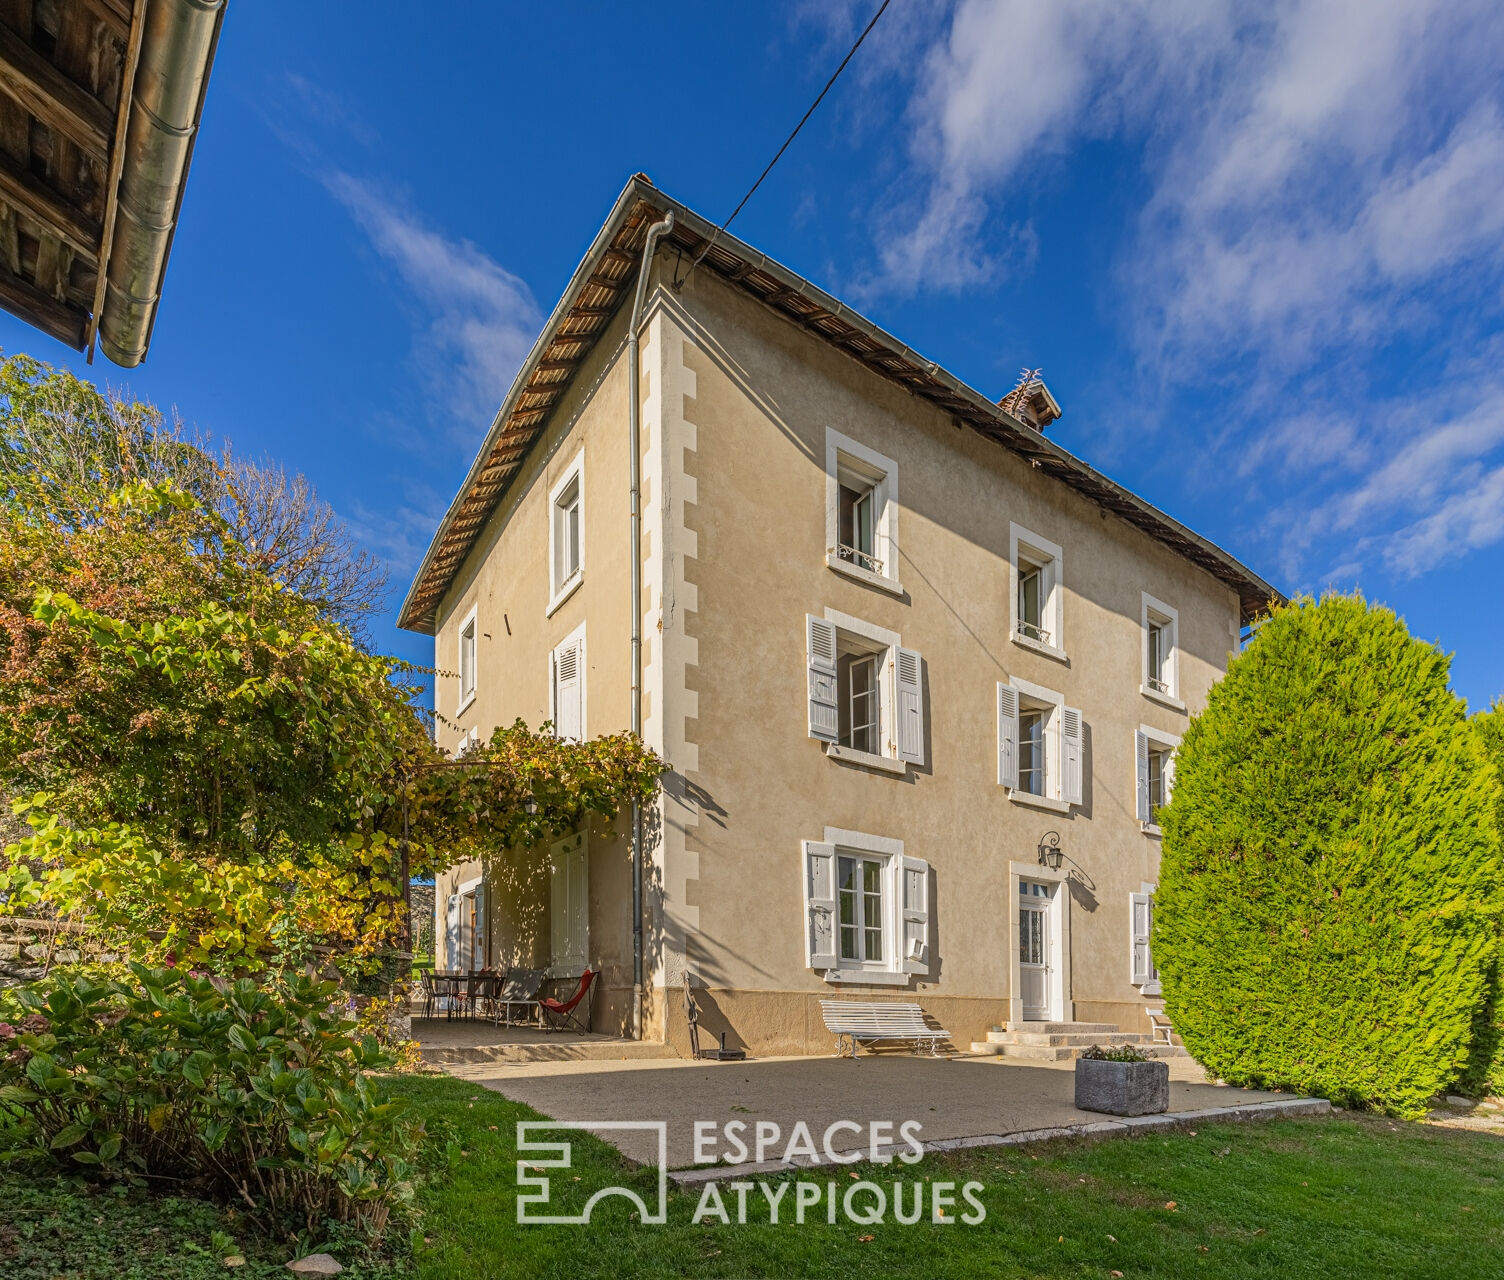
1257	249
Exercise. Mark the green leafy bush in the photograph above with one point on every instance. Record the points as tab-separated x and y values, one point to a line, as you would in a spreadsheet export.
1485	1069
1330	896
258	1092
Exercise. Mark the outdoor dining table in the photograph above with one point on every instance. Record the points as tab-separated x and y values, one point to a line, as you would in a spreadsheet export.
464	989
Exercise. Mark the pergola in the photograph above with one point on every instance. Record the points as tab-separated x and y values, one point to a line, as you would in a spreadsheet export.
99	106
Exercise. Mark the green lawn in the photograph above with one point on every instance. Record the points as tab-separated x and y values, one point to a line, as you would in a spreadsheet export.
1342	1196
1350	1195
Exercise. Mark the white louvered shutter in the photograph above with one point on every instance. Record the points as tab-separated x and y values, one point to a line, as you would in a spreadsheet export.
1007	736
1072	754
916	915
910	683
568	687
1141	765
820	646
820	904
1140	913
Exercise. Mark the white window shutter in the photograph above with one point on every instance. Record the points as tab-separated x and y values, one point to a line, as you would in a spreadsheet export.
1072	752
910	684
568	687
820	904
478	942
452	933
1140	968
820	646
1007	736
1141	763
916	916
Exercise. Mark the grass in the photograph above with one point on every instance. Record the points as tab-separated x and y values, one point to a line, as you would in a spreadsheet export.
1348	1195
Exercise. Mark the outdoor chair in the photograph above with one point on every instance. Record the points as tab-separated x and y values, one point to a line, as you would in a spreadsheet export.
558	1014
425	983
519	991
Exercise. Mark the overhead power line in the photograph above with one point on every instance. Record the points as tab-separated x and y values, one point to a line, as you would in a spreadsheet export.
752	190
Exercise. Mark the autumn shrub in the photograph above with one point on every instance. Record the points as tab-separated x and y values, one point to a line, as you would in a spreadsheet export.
258	1092
1330	896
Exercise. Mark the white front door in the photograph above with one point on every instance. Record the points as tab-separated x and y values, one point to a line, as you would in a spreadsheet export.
1036	973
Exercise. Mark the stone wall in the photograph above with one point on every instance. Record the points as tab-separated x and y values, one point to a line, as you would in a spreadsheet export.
28	948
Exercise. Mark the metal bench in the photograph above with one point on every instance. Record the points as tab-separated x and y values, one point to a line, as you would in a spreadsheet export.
869	1022
1160	1027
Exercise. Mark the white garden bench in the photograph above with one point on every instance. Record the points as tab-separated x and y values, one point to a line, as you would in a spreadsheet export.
1160	1026
869	1021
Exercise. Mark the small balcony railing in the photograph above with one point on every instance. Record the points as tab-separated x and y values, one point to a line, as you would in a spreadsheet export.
861	559
1033	631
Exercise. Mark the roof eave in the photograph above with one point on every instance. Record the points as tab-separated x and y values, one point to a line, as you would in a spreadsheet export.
694	233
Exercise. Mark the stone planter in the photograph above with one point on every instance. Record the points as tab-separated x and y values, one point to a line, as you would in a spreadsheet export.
1122	1088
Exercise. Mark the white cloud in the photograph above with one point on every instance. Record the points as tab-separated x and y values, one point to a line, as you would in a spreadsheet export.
481	320
1326	183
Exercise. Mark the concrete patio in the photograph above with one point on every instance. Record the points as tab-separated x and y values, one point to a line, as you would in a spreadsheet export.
954	1100
453	1043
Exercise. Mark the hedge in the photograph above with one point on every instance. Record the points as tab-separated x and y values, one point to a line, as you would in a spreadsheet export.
1330	897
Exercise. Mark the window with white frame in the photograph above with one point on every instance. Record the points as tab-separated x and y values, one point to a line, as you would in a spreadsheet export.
1040	744
467	656
1036	566
861	512
866	908
566	532
1142	972
566	681
1161	650
468	742
1154	773
866	691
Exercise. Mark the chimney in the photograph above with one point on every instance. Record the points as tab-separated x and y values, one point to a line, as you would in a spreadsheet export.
1030	401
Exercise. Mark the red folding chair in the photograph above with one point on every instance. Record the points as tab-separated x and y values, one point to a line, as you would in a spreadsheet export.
566	1013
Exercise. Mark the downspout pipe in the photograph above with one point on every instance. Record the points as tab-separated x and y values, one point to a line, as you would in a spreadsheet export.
634	469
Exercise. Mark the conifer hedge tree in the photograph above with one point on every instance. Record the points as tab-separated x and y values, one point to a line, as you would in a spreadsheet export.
1331	894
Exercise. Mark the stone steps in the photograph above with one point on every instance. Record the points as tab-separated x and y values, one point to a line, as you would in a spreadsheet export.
1063	1041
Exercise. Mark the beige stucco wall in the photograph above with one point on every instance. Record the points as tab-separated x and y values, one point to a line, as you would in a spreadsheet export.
506	580
758	395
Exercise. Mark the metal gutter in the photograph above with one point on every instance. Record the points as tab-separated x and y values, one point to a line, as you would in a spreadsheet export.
178	41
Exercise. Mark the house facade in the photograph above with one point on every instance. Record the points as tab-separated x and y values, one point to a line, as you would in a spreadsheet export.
918	672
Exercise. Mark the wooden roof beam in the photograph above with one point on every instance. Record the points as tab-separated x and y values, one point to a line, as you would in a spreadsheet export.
42	310
22	191
52	97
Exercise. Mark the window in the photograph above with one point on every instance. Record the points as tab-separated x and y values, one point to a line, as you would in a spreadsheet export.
566	533
1154	769
1036	565
566	677
866	692
866	909
1040	745
857	688
1161	631
1142	971
1031	770
859	882
856	534
862	512
467	660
